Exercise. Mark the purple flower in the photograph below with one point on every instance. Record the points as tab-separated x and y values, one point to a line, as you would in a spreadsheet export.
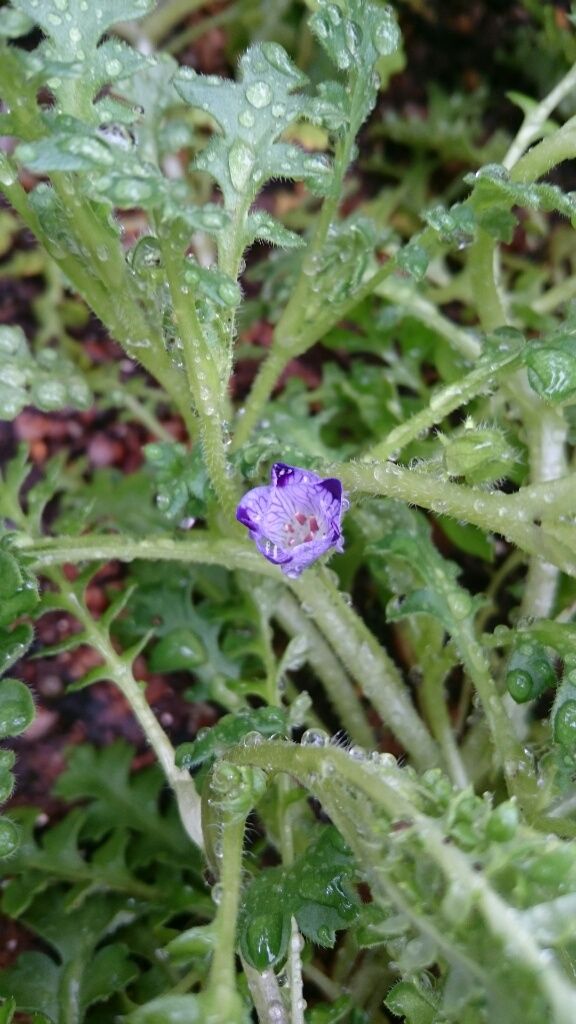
296	518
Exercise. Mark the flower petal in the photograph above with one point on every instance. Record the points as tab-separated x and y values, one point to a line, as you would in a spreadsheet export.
282	475
253	508
303	556
271	551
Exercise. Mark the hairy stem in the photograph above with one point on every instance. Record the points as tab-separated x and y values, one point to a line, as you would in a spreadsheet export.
121	674
442	403
222	977
547	432
535	118
365	659
330	671
208	391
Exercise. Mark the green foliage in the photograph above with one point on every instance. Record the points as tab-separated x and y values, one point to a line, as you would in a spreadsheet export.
16	707
48	381
247	725
72	24
529	671
551	368
400	347
115	869
252	115
180	478
415	560
196	621
479	454
316	890
495	194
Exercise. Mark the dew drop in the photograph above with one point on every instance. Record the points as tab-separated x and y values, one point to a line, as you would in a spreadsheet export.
246	119
252	739
259	94
240	163
113	67
315	738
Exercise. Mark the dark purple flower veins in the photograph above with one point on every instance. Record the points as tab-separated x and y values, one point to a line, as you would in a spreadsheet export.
296	518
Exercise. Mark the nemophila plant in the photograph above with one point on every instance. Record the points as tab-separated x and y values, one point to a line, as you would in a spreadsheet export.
350	564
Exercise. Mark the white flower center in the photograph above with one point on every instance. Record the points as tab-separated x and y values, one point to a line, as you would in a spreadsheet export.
301	529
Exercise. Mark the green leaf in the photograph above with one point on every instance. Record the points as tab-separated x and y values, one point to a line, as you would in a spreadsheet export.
33	981
171	599
70	146
315	889
252	115
228	731
552	368
120	799
170	1010
112	61
9	837
494	195
110	970
468	538
14	23
7	1011
455	226
18	588
529	672
479	454
262	226
413	259
441	597
112	499
363	40
554	922
407	1000
16	707
75	26
182	488
215	284
181	649
48	380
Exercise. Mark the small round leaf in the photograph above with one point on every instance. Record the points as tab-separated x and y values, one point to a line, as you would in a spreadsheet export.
16	707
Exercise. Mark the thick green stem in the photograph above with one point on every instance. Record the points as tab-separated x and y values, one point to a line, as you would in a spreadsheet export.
366	660
547	432
222	978
339	689
482	264
509	515
559	295
553	150
208	391
515	760
266	996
